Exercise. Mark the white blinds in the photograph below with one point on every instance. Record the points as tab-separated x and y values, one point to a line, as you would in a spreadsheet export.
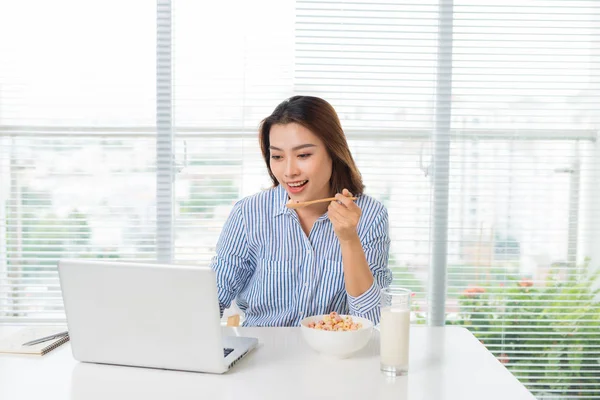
523	172
78	148
232	62
77	159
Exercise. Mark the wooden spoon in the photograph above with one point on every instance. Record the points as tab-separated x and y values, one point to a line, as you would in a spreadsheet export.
293	205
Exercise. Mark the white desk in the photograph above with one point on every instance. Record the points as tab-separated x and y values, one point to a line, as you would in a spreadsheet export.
445	363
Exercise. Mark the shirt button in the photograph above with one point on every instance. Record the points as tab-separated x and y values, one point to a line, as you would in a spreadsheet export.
306	284
301	313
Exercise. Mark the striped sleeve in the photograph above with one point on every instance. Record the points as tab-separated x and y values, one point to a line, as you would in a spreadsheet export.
232	260
376	246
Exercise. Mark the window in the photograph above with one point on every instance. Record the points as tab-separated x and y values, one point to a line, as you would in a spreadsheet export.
475	122
77	139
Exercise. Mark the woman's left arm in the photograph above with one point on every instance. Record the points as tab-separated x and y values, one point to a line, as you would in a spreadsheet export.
365	264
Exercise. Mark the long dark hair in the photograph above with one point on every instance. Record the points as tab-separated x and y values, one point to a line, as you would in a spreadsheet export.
318	116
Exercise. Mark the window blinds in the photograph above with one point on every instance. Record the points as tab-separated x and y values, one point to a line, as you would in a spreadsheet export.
77	165
517	82
523	172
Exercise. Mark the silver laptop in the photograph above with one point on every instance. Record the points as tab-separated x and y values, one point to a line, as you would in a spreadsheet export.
147	315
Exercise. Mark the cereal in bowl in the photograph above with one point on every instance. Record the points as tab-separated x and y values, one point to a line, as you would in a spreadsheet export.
335	322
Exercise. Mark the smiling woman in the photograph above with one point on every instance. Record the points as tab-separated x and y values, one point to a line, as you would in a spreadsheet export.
300	161
282	264
306	122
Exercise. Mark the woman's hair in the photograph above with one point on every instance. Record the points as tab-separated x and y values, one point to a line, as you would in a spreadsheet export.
318	116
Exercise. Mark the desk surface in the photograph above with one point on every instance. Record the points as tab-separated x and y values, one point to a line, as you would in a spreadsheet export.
445	363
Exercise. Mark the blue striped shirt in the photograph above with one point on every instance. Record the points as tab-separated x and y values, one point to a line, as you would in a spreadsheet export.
278	275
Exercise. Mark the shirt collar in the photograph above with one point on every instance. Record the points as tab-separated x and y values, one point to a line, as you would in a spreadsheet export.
281	199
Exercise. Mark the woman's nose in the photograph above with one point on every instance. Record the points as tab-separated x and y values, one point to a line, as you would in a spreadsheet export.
291	167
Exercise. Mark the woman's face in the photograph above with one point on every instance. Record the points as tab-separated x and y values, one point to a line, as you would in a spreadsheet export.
300	162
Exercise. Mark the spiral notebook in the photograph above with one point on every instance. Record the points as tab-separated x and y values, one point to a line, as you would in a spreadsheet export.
13	343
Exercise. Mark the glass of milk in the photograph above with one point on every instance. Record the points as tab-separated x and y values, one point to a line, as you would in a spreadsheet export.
394	330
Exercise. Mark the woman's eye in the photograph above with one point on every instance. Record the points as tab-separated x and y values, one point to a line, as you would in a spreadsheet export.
306	155
275	157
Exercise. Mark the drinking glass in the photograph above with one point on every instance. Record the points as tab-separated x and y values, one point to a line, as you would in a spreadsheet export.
394	330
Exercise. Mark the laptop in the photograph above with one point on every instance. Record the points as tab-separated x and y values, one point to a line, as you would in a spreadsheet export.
147	315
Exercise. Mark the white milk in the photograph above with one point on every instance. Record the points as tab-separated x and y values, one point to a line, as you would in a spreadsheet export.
394	332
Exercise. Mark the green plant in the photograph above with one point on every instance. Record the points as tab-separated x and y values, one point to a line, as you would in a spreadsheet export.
547	335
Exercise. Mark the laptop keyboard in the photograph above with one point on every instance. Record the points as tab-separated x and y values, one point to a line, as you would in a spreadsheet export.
227	351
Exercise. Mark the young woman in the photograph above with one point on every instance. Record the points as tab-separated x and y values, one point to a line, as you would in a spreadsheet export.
282	265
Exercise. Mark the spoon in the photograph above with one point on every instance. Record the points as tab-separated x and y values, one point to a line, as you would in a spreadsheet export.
301	204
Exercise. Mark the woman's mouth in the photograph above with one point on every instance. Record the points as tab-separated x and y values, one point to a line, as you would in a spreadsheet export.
296	187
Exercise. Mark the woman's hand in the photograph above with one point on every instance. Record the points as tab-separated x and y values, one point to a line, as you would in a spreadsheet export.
344	214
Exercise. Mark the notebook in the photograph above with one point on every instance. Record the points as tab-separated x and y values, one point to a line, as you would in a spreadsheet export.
13	343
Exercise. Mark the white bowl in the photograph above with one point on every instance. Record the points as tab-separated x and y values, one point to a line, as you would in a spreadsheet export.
340	344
